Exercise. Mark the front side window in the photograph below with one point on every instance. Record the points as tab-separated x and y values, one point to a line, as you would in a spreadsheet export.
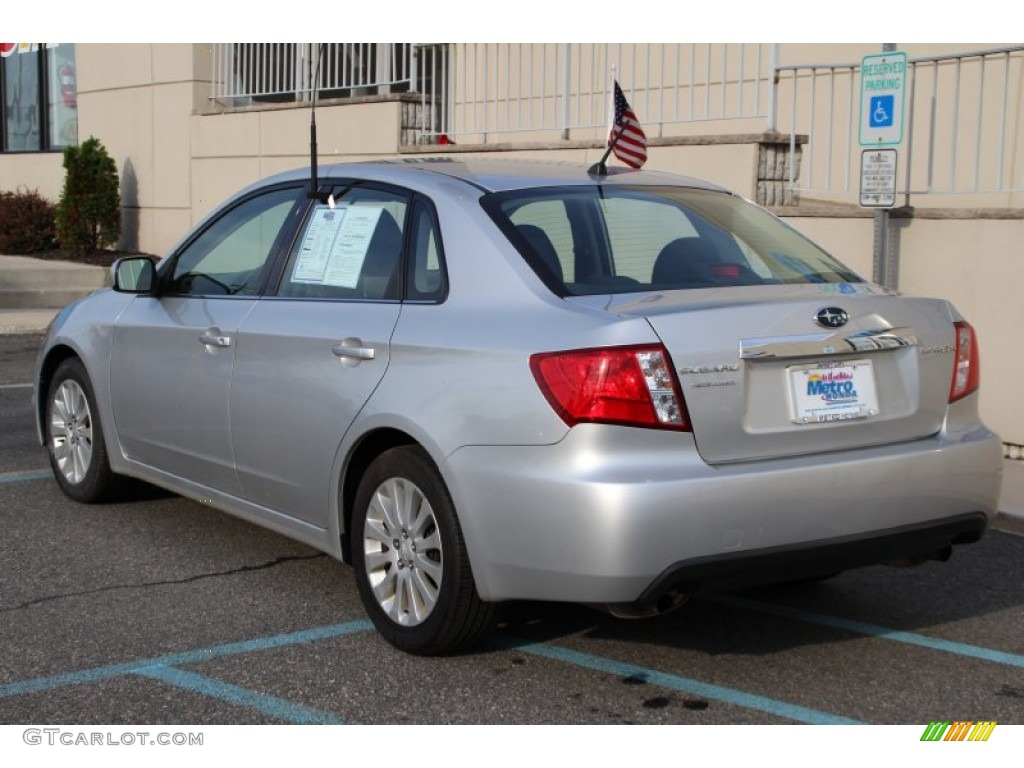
594	240
39	87
229	257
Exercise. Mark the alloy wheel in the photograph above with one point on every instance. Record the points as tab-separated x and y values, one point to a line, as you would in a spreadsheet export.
71	431
402	552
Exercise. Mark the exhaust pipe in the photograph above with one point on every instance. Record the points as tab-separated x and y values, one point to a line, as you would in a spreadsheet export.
665	603
942	555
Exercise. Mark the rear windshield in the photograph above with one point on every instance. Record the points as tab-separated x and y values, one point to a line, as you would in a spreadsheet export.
594	240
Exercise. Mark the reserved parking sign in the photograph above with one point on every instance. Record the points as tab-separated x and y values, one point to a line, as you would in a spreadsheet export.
883	79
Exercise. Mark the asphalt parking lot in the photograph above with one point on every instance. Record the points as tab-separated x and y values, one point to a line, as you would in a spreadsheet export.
159	610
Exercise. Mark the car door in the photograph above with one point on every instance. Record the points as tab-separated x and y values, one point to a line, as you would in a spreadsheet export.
311	355
173	352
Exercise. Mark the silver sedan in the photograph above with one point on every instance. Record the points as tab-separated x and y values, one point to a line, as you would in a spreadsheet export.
479	381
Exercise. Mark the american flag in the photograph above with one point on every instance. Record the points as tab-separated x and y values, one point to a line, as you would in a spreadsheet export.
631	148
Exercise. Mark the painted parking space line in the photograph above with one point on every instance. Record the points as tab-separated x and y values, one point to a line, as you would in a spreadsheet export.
187	657
15	386
163	668
674	682
233	694
27	476
885	633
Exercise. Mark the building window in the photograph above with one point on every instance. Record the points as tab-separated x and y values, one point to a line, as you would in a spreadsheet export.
39	91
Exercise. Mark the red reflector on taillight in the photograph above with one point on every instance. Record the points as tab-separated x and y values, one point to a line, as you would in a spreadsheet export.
620	385
966	367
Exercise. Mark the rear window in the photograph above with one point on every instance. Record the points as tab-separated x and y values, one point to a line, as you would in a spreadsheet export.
591	240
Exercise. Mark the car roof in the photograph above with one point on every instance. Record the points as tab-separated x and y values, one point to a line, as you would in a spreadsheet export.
489	175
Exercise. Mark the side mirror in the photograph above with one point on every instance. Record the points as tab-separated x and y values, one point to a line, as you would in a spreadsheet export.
133	274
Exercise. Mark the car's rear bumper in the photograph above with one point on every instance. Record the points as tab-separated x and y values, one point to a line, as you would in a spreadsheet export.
908	544
614	514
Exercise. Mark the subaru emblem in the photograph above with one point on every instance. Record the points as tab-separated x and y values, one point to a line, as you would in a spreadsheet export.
831	317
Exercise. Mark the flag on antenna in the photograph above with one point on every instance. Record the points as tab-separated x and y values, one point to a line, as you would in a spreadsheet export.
626	138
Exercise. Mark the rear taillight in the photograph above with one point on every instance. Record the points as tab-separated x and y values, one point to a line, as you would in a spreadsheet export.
966	371
634	386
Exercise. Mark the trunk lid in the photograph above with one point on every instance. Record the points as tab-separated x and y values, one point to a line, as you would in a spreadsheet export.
763	379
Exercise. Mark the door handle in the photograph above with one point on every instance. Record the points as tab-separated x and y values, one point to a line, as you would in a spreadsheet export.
352	349
214	338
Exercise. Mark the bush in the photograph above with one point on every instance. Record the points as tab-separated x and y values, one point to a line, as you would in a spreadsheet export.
26	223
89	211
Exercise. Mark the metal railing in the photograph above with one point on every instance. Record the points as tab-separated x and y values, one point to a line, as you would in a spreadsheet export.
245	73
963	123
489	91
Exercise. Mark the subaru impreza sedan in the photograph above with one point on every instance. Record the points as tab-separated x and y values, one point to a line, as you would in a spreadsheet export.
478	382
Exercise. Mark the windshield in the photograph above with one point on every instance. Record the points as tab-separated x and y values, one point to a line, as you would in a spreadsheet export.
594	240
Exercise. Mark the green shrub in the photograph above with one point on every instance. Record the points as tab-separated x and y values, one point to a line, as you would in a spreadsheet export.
26	223
89	211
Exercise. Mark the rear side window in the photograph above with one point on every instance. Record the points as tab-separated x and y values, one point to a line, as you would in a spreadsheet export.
593	240
426	276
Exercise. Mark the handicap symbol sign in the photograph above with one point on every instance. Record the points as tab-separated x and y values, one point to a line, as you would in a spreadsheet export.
882	111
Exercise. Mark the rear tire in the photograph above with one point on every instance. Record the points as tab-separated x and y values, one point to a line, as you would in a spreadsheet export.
410	560
74	436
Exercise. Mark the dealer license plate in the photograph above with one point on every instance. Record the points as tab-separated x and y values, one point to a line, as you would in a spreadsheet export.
832	392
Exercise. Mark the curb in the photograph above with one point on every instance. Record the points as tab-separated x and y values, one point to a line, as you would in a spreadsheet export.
25	321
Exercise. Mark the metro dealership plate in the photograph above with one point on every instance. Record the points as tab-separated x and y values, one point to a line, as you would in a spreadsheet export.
832	392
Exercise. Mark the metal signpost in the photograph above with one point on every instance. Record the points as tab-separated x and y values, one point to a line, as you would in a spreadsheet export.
883	80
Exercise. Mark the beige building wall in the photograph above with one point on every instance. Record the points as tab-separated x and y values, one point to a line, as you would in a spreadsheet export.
138	99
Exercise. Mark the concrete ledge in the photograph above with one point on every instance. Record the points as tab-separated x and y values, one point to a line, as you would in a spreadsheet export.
41	298
30	321
662	141
27	283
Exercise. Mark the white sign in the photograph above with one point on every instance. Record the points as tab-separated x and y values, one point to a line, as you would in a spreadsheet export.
883	80
335	245
878	178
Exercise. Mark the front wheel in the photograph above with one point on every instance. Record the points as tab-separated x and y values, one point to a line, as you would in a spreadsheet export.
74	437
410	559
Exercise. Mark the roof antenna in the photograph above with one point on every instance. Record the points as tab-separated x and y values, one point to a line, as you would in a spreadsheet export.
314	185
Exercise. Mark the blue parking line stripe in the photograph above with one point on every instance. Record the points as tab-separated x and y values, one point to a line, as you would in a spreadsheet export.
23	477
674	682
187	657
234	694
885	633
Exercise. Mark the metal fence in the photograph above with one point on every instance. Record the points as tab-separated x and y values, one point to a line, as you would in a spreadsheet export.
488	91
963	123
